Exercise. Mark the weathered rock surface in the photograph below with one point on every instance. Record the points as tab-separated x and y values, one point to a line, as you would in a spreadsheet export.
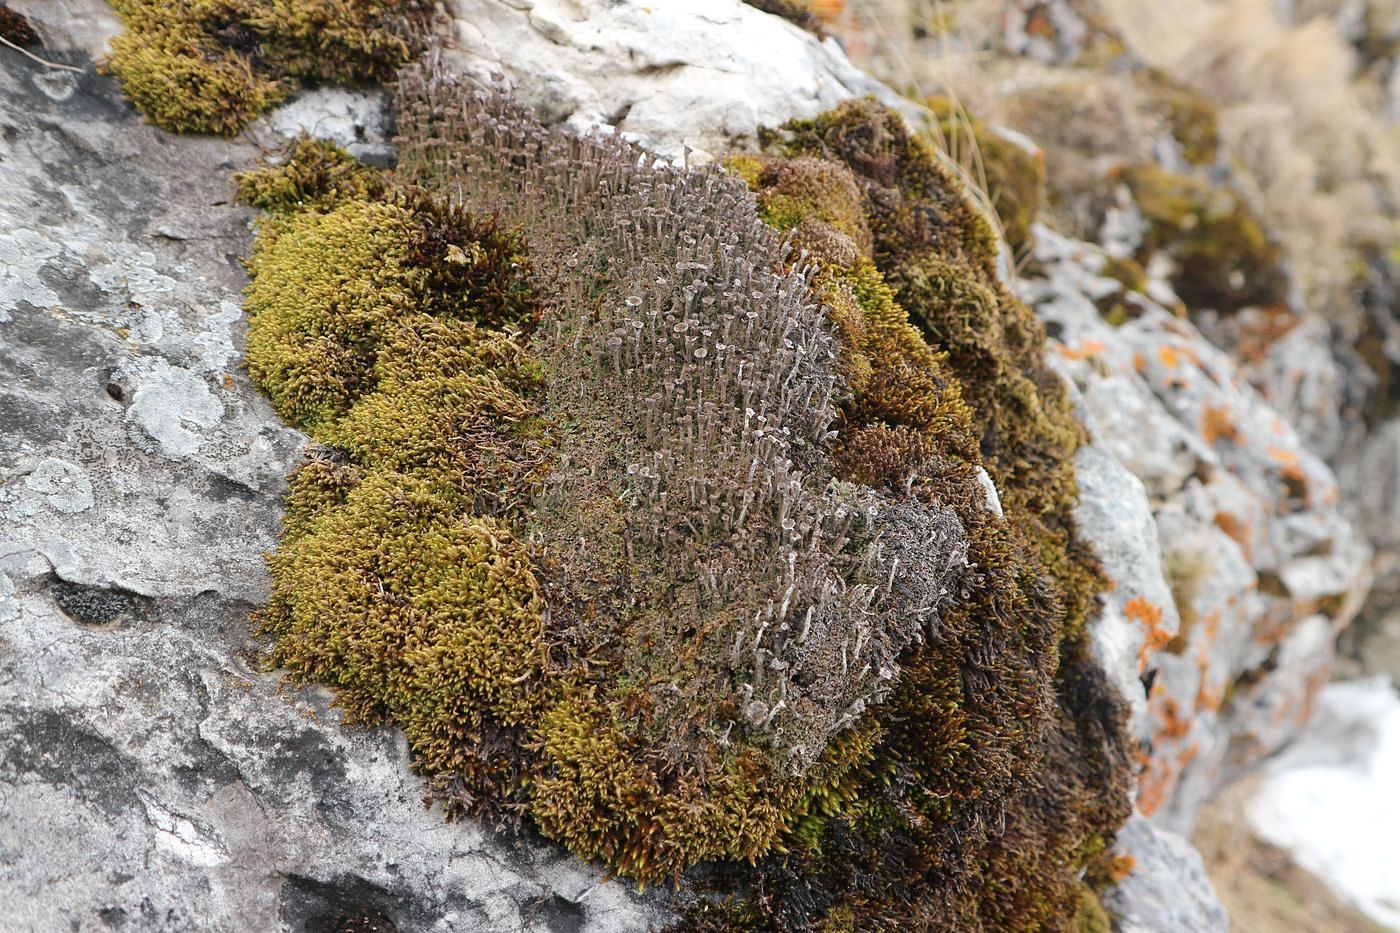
1329	799
1261	569
697	74
150	778
175	786
1169	889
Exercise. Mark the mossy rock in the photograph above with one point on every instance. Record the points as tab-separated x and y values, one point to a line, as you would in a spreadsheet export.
211	66
1224	258
476	549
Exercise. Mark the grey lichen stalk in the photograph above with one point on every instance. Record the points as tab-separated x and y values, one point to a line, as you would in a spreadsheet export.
699	379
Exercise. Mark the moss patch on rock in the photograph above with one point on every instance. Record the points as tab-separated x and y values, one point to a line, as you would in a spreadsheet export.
1005	705
210	66
1224	259
673	549
15	28
1014	179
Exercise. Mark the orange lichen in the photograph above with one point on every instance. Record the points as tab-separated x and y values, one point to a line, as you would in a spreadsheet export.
1216	425
1082	352
1238	531
1141	610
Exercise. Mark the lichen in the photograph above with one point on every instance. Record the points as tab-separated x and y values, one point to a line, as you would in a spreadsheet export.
210	66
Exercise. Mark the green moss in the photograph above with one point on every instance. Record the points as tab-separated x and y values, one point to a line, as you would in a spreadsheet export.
400	579
1015	179
314	173
1224	259
1091	917
210	66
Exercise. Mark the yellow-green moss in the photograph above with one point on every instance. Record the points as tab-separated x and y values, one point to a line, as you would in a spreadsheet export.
315	174
210	66
400	579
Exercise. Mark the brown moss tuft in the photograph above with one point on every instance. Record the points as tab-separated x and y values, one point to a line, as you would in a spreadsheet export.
1224	259
15	28
1013	178
957	381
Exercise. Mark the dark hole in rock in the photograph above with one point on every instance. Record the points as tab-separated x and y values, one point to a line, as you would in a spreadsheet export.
97	605
348	904
559	914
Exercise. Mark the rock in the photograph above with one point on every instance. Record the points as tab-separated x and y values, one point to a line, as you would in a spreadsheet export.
1168	889
1261	569
1329	800
85	26
151	775
701	75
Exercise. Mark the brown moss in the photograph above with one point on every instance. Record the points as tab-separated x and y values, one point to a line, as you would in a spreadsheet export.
15	28
964	741
797	12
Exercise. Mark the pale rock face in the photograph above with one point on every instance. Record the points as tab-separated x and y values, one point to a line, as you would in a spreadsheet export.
1169	889
150	775
85	26
1261	570
1329	800
702	75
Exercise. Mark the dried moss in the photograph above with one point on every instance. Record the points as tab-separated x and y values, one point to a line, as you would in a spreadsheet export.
797	12
210	66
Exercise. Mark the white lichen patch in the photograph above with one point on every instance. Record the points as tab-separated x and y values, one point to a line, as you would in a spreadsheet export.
64	486
173	406
23	254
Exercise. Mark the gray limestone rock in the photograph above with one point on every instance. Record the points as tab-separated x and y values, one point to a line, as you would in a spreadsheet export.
1261	568
1169	890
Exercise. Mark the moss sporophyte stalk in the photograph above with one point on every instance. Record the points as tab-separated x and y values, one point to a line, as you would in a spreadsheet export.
649	502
